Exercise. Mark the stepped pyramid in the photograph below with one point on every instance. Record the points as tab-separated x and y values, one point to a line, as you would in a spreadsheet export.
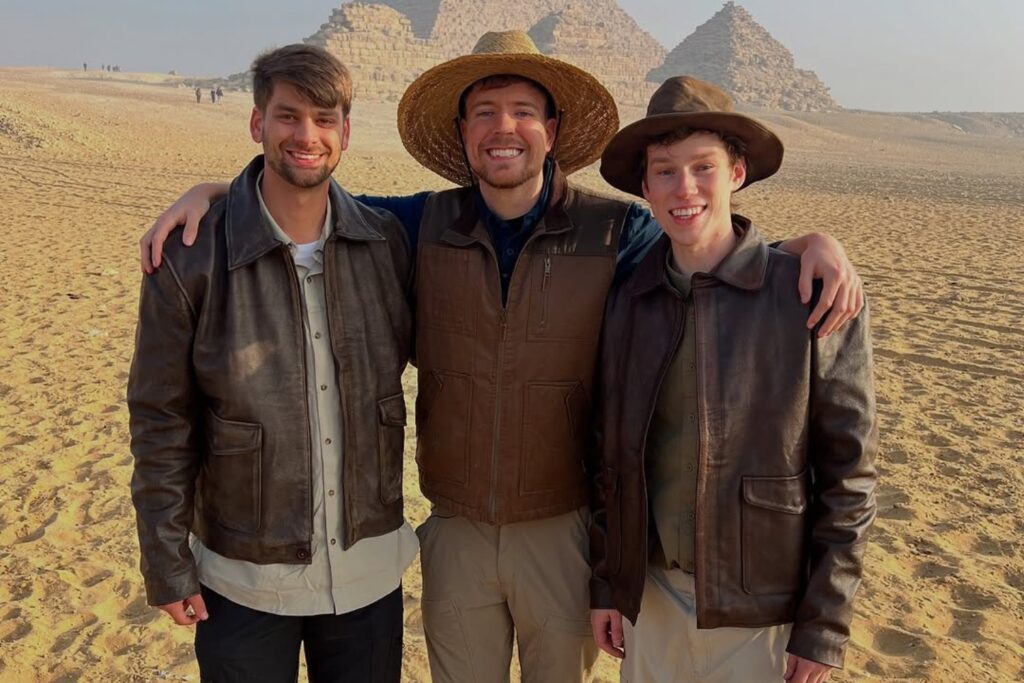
601	38
379	46
387	43
734	51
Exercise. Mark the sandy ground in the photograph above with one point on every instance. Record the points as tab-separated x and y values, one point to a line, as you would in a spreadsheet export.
934	219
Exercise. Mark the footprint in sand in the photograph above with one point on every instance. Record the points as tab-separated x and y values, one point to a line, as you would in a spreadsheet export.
894	643
894	503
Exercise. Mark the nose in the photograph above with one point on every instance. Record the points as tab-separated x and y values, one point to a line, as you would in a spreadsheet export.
687	184
506	122
305	130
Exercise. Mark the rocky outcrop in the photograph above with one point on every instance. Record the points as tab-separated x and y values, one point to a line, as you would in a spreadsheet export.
734	51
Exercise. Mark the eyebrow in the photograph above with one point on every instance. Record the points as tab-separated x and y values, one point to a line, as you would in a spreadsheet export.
664	157
519	103
288	109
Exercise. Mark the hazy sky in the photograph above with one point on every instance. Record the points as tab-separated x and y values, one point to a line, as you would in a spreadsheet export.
899	55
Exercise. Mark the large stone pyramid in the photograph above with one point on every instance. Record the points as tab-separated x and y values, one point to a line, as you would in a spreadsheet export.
598	36
387	43
734	51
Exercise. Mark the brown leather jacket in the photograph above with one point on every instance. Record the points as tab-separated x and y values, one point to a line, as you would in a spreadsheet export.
217	390
785	483
503	413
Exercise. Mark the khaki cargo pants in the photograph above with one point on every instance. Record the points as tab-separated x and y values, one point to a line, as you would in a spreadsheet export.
666	646
484	585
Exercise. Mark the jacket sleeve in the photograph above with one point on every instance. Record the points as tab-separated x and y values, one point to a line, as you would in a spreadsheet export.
843	443
163	419
599	482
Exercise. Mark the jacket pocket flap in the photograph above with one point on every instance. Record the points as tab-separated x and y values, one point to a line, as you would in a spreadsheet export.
782	494
231	436
392	410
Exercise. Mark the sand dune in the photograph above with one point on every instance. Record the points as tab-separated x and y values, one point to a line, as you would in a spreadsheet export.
933	216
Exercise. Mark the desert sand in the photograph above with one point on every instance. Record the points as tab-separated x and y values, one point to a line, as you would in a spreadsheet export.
932	215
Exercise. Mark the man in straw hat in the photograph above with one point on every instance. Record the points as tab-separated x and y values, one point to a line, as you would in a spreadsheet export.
512	269
747	440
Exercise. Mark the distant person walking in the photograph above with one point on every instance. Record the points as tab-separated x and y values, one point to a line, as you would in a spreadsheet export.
213	95
220	93
85	66
199	95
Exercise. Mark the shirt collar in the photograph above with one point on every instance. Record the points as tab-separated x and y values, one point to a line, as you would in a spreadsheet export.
530	218
281	235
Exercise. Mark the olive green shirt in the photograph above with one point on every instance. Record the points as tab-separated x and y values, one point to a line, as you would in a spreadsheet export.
673	444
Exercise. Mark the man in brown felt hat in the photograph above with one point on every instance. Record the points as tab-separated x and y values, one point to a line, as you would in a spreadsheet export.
512	269
753	453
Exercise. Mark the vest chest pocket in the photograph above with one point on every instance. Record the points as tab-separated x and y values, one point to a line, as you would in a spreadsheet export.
446	288
567	295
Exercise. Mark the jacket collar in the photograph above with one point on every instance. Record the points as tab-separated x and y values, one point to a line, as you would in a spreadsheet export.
249	236
469	226
744	267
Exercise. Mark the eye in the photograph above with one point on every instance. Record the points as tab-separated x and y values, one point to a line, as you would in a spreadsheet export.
525	114
327	122
666	172
705	167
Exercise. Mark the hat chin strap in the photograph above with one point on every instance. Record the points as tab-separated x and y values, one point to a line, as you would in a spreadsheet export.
558	134
462	146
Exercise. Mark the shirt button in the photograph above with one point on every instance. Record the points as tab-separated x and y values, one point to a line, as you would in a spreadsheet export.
331	492
309	279
317	335
333	542
327	441
510	252
323	387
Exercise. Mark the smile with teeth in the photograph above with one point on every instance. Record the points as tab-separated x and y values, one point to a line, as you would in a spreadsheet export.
688	212
305	156
504	152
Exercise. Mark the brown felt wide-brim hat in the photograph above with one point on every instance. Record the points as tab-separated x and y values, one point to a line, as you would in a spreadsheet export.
429	111
688	102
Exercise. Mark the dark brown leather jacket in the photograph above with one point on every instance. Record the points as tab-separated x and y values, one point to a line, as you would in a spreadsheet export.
503	413
217	391
788	434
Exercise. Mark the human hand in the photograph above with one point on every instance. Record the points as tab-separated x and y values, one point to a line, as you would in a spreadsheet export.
188	611
188	209
800	670
606	625
842	289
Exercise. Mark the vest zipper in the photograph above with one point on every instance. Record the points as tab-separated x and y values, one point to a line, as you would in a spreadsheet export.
544	288
497	416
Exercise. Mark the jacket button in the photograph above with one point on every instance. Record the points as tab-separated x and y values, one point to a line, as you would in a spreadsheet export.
302	554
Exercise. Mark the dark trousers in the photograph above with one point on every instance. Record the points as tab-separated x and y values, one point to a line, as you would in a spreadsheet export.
241	645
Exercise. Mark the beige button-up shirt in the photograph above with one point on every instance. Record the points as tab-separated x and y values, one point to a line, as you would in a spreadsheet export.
336	581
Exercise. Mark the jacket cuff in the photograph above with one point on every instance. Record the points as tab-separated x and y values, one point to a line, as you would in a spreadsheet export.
818	646
600	595
163	590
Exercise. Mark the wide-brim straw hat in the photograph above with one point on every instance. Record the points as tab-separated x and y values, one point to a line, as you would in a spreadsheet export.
688	102
429	111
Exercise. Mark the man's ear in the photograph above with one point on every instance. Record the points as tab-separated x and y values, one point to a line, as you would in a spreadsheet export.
551	127
739	173
256	125
346	130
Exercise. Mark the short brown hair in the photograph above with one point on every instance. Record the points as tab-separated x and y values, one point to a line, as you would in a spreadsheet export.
734	147
503	81
319	76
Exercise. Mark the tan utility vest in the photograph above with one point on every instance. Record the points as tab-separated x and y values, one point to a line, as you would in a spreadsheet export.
503	413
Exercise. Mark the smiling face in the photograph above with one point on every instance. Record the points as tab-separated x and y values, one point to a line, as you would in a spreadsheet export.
507	134
302	142
689	184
